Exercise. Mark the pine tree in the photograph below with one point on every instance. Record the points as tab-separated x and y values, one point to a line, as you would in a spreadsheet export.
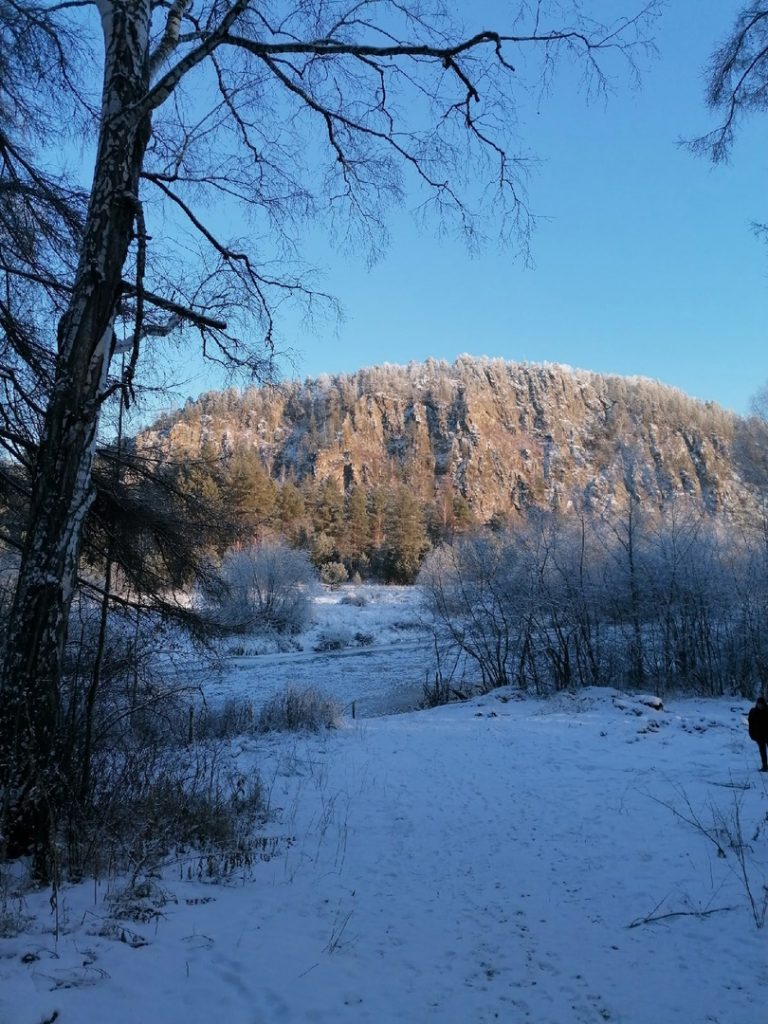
291	513
358	533
407	540
250	494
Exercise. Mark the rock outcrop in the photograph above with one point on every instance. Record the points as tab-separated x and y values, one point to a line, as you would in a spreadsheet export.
507	437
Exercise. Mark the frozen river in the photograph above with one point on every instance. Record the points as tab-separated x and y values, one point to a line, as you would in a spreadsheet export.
382	654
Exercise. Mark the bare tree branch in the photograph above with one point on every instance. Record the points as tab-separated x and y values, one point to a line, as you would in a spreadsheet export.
737	80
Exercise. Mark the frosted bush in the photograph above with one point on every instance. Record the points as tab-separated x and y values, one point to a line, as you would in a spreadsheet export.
297	710
333	573
333	639
265	587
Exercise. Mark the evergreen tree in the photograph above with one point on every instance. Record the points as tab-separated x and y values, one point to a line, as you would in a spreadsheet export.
358	533
407	540
250	494
290	513
328	514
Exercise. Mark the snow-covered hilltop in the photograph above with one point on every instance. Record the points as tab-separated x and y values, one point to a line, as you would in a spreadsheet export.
496	437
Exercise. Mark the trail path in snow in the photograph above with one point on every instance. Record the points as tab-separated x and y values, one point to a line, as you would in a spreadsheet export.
467	865
493	870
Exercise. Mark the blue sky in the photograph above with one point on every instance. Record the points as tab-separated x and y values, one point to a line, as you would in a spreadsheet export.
644	259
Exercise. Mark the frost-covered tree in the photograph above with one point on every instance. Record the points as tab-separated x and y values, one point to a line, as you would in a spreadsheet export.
668	601
479	593
267	586
196	116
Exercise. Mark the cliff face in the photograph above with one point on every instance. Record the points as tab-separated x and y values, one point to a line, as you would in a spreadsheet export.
507	437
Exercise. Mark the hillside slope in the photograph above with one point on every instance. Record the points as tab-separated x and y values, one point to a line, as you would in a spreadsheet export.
505	437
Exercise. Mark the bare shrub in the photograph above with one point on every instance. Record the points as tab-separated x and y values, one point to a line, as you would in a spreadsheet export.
333	640
734	844
297	710
475	594
333	573
665	601
13	916
265	587
440	687
438	691
156	803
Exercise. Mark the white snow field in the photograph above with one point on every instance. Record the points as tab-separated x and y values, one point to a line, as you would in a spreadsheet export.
575	860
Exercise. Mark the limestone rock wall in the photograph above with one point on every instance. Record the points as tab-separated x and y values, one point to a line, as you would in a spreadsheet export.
506	436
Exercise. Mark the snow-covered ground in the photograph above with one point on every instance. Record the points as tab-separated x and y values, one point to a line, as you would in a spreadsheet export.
568	861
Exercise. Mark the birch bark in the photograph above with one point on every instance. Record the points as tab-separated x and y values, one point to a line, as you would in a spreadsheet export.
33	764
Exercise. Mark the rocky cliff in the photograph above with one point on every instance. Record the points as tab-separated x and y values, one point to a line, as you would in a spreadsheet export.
506	437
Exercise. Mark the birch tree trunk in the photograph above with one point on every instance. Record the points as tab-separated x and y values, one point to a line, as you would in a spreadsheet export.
32	760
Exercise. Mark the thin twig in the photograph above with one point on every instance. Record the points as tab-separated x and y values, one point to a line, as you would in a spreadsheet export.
652	918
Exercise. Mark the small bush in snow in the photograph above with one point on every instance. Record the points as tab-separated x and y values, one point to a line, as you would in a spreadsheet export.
355	600
268	641
13	918
333	640
265	587
241	650
235	717
148	775
334	573
299	711
438	691
153	803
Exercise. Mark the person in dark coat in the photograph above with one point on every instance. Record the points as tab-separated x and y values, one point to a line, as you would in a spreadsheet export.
758	729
